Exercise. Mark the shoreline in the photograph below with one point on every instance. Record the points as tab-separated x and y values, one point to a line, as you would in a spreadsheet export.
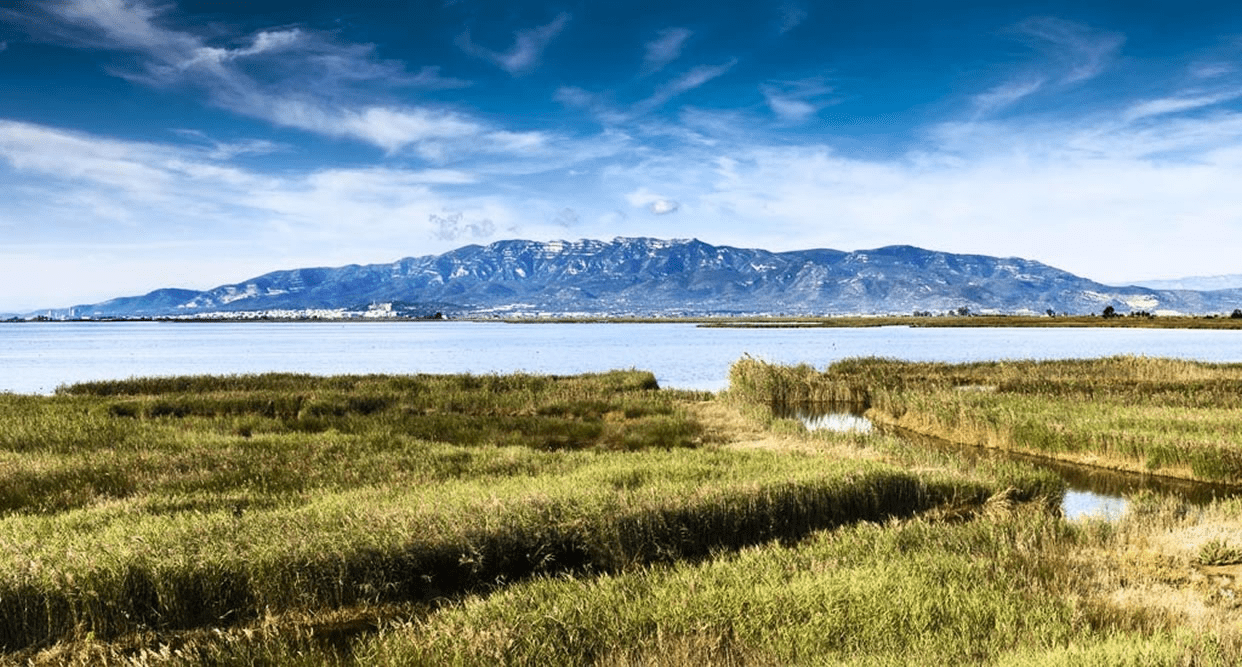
1215	322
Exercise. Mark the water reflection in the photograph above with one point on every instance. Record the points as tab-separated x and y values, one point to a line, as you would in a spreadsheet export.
839	422
1081	504
1090	491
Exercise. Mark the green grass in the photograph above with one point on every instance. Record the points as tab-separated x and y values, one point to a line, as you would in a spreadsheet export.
862	592
127	565
531	520
1219	552
176	504
1174	417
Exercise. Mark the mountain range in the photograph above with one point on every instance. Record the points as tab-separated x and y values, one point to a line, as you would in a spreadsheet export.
654	277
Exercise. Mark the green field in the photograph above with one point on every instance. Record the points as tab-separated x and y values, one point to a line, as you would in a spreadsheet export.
597	519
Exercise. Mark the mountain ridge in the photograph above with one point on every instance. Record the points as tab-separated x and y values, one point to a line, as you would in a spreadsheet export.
666	277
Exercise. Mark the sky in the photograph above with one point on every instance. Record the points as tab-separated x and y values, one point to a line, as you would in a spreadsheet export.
164	143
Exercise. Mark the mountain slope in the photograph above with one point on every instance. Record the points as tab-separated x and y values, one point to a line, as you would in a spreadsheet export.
641	276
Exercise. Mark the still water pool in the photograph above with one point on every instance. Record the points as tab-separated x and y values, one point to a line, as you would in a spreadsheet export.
1090	491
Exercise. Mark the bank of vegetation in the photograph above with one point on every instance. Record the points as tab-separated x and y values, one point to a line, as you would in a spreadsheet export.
533	520
1107	319
1162	416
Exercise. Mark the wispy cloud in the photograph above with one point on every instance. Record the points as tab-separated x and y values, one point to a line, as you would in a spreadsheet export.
688	81
1006	94
452	226
1178	104
310	82
391	128
1087	192
94	189
791	16
664	49
1211	70
221	150
796	101
263	42
611	113
1081	52
429	77
1070	53
653	203
528	46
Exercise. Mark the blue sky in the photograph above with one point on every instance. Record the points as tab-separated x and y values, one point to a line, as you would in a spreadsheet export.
148	144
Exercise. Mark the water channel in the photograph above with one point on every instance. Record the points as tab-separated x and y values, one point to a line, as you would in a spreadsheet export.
1090	490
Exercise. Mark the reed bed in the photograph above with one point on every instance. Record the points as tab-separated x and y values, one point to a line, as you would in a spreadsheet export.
592	520
174	504
1016	587
1001	590
1174	417
120	567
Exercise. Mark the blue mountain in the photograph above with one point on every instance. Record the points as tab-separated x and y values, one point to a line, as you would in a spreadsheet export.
654	277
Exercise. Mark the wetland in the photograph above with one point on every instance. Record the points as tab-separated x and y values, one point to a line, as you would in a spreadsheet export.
611	518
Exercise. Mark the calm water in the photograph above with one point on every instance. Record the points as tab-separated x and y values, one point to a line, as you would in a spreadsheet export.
37	357
1090	491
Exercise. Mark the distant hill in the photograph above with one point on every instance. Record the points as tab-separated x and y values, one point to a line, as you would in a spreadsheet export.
643	276
1197	283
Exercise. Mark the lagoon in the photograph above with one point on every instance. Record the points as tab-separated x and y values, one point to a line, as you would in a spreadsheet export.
37	357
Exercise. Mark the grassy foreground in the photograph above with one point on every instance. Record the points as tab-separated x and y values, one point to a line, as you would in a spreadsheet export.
528	520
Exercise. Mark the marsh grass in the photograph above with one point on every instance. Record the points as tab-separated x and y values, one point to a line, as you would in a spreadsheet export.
170	504
531	520
1219	552
114	568
1175	417
1000	590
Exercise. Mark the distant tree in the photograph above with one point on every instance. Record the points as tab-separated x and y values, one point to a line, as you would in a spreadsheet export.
1237	314
1109	311
963	311
1050	312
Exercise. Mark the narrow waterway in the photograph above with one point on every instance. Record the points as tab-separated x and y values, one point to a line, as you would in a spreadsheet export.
1090	491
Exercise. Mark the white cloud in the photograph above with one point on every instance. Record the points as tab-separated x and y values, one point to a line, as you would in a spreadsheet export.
664	49
791	16
1177	104
663	206
1006	94
655	203
789	108
1082	52
1106	200
796	101
611	114
69	193
307	86
528	46
261	43
452	226
1210	70
429	77
688	81
1071	53
128	24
